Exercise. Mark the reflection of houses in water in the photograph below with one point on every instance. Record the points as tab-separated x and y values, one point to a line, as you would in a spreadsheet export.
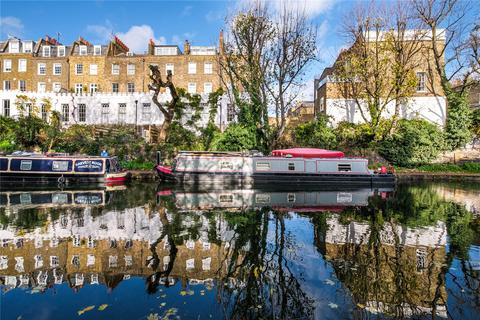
394	270
80	248
469	198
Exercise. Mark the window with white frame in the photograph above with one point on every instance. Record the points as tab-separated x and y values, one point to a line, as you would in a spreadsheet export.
56	87
78	88
97	50
7	85
115	69
42	69
114	87
14	47
192	68
6	107
65	112
22	65
146	111
27	47
57	69
54	261
421	78
208	68
130	69
22	85
42	87
207	87
130	87
82	50
61	51
79	69
93	69
7	65
230	112
192	87
122	112
82	112
169	66
44	112
105	112
93	87
46	51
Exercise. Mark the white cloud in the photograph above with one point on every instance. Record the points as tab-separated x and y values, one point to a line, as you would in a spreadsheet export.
213	16
11	26
136	38
312	8
187	10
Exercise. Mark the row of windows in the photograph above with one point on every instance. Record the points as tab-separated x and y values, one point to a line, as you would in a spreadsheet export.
41	86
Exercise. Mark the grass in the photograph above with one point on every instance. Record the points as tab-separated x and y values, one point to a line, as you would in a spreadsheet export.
137	165
469	167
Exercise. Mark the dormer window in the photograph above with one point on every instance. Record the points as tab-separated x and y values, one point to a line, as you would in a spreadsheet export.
46	51
83	50
61	51
97	50
27	47
14	47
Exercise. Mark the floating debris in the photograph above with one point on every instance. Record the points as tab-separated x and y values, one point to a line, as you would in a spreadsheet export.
89	308
333	305
103	307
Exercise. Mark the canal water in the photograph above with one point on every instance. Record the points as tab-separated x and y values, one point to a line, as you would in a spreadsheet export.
153	252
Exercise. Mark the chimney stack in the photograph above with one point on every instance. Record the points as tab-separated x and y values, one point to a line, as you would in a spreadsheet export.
220	43
186	47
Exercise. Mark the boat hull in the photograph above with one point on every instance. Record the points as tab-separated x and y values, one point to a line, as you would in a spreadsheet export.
13	178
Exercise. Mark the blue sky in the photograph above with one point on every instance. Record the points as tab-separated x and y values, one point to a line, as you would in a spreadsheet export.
171	22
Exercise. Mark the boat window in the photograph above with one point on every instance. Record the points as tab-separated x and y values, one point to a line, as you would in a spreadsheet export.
263	166
59	165
226	198
344	197
226	165
25	198
291	197
291	166
344	167
26	165
262	198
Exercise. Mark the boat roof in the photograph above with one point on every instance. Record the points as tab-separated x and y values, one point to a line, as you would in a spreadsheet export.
307	153
53	155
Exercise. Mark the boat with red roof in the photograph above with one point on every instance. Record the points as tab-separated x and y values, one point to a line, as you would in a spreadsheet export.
300	166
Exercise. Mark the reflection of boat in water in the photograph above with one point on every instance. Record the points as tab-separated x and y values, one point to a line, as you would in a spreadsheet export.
289	200
48	199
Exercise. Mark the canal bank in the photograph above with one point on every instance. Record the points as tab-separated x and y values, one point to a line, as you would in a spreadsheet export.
150	175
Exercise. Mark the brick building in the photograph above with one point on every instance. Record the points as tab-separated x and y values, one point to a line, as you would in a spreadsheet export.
427	102
103	83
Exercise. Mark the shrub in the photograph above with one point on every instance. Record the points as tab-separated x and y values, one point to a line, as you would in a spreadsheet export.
316	134
414	142
235	138
458	121
476	123
353	136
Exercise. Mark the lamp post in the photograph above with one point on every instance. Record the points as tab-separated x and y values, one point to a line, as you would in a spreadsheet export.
136	116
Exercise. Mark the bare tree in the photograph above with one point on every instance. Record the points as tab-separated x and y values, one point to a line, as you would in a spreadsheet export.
378	69
168	110
264	60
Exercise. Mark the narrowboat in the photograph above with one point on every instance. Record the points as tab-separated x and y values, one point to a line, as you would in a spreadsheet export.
23	168
297	166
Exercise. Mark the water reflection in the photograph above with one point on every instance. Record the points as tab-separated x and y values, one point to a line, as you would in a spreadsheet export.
287	254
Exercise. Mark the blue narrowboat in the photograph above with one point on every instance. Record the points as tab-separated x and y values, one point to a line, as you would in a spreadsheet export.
57	168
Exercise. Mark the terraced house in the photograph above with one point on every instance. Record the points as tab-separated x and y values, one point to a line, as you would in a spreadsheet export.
94	83
341	96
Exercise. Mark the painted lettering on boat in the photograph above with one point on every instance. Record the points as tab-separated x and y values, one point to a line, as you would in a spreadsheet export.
89	164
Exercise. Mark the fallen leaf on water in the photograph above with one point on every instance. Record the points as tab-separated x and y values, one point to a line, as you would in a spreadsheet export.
163	304
191	293
329	282
103	307
80	312
333	305
183	293
360	305
202	293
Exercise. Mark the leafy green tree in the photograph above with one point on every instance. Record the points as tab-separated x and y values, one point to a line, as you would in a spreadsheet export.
235	138
414	142
316	134
459	120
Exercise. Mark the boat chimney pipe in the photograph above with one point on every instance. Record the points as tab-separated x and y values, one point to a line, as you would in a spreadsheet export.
159	158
